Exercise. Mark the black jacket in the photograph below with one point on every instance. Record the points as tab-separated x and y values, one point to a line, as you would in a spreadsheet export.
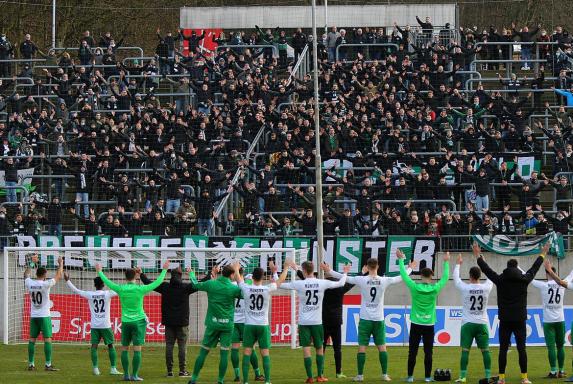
332	305
511	289
174	300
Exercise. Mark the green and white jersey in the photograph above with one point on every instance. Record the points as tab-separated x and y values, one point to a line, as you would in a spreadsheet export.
474	299
372	291
40	296
310	295
552	297
257	301
100	303
239	309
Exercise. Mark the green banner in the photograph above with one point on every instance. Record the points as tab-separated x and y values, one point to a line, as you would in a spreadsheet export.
504	245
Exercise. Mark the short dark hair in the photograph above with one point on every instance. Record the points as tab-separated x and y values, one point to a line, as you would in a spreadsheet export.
258	274
512	263
41	272
98	283
427	272
475	273
372	263
308	267
130	274
228	270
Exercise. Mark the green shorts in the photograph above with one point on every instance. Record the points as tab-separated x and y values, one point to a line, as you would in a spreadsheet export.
471	331
257	333
238	331
311	334
554	333
133	332
40	325
376	329
102	333
213	337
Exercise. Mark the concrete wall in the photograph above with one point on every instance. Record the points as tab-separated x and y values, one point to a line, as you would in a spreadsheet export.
298	16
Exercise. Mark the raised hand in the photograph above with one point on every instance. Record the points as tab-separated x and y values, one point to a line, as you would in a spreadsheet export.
413	265
273	267
325	267
476	249
460	259
546	247
400	254
346	268
166	264
66	276
447	256
98	267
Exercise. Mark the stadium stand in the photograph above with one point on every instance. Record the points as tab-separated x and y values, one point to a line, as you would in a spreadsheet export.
424	131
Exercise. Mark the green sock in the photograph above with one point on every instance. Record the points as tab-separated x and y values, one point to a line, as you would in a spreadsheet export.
267	368
561	358
246	366
235	361
125	362
552	355
383	357
320	365
255	363
487	362
48	353
136	363
199	363
464	363
308	366
112	356
223	365
360	361
31	352
94	356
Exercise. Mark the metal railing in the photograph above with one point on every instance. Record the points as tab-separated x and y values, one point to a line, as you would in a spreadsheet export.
242	46
380	45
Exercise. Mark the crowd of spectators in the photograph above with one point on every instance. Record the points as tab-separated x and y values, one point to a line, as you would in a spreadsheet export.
420	151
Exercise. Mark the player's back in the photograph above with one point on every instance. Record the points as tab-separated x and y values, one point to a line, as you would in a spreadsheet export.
372	296
131	298
221	295
257	300
100	303
40	296
552	297
475	297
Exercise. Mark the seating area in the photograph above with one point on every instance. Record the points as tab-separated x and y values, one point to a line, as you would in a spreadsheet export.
424	130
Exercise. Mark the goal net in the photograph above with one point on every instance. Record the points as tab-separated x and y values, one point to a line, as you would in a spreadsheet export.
70	312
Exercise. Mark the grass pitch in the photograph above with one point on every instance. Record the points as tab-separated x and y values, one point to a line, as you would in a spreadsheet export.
287	365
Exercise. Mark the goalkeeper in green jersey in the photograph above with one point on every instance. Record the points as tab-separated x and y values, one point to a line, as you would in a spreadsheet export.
133	318
423	313
221	295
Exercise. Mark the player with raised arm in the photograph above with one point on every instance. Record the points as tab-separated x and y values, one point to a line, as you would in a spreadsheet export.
40	318
257	330
238	330
511	287
221	295
567	284
475	322
310	293
423	313
552	297
133	318
372	289
99	302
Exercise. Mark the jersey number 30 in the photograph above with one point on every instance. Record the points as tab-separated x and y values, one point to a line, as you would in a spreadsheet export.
256	302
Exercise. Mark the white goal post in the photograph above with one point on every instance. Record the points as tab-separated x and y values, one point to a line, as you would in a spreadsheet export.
70	313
